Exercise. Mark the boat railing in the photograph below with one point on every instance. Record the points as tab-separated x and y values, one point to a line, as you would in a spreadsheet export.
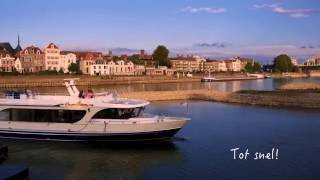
140	120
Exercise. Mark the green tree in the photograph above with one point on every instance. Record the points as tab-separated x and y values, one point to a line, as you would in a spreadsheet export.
61	71
161	54
74	68
282	63
256	67
252	67
136	59
248	68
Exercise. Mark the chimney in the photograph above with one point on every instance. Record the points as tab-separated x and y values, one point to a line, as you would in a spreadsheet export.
142	53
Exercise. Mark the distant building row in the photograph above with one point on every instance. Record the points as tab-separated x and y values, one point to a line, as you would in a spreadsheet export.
33	59
199	64
97	64
313	61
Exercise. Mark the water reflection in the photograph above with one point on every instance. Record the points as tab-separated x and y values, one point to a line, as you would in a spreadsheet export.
65	160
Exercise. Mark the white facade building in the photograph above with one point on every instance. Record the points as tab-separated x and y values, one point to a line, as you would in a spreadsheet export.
312	61
18	66
112	68
6	63
222	66
67	58
233	65
55	59
52	57
294	61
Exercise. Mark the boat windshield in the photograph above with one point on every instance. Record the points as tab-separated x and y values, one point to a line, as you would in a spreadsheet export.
115	113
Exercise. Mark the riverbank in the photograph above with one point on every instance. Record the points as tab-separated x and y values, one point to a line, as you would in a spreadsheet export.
300	86
278	98
32	81
29	81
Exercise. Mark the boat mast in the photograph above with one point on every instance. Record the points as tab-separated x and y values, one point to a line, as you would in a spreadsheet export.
71	86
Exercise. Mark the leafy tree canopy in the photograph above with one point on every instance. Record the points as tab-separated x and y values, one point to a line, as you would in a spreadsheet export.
282	63
161	55
252	67
74	68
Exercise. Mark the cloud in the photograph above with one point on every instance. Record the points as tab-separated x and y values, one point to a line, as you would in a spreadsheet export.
212	45
209	10
308	47
294	13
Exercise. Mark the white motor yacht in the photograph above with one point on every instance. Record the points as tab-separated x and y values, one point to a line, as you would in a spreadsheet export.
101	117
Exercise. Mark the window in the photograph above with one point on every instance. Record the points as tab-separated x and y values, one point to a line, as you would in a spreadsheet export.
42	115
118	113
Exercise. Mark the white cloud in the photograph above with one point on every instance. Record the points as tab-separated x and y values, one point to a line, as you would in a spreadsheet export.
210	10
294	13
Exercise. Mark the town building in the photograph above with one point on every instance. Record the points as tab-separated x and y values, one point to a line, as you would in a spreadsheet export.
112	68
188	64
214	66
145	59
66	59
160	71
52	57
17	65
7	46
57	60
86	60
8	56
243	61
32	59
233	65
139	70
6	61
294	61
312	61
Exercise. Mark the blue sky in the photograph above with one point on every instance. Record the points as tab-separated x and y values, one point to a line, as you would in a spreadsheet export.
214	28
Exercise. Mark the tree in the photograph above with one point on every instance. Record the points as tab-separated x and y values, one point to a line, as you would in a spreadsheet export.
282	63
135	59
160	54
74	68
61	71
252	67
256	67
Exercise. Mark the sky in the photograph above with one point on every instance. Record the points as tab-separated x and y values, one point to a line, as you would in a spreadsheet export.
213	28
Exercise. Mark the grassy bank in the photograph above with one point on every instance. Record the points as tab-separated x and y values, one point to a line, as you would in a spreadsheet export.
300	86
299	99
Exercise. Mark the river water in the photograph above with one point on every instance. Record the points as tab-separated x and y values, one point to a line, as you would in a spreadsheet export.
200	150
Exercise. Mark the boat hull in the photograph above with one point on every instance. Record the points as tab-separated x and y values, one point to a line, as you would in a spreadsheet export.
112	137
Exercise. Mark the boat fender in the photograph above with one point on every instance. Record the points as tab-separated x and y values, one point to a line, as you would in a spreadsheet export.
88	109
